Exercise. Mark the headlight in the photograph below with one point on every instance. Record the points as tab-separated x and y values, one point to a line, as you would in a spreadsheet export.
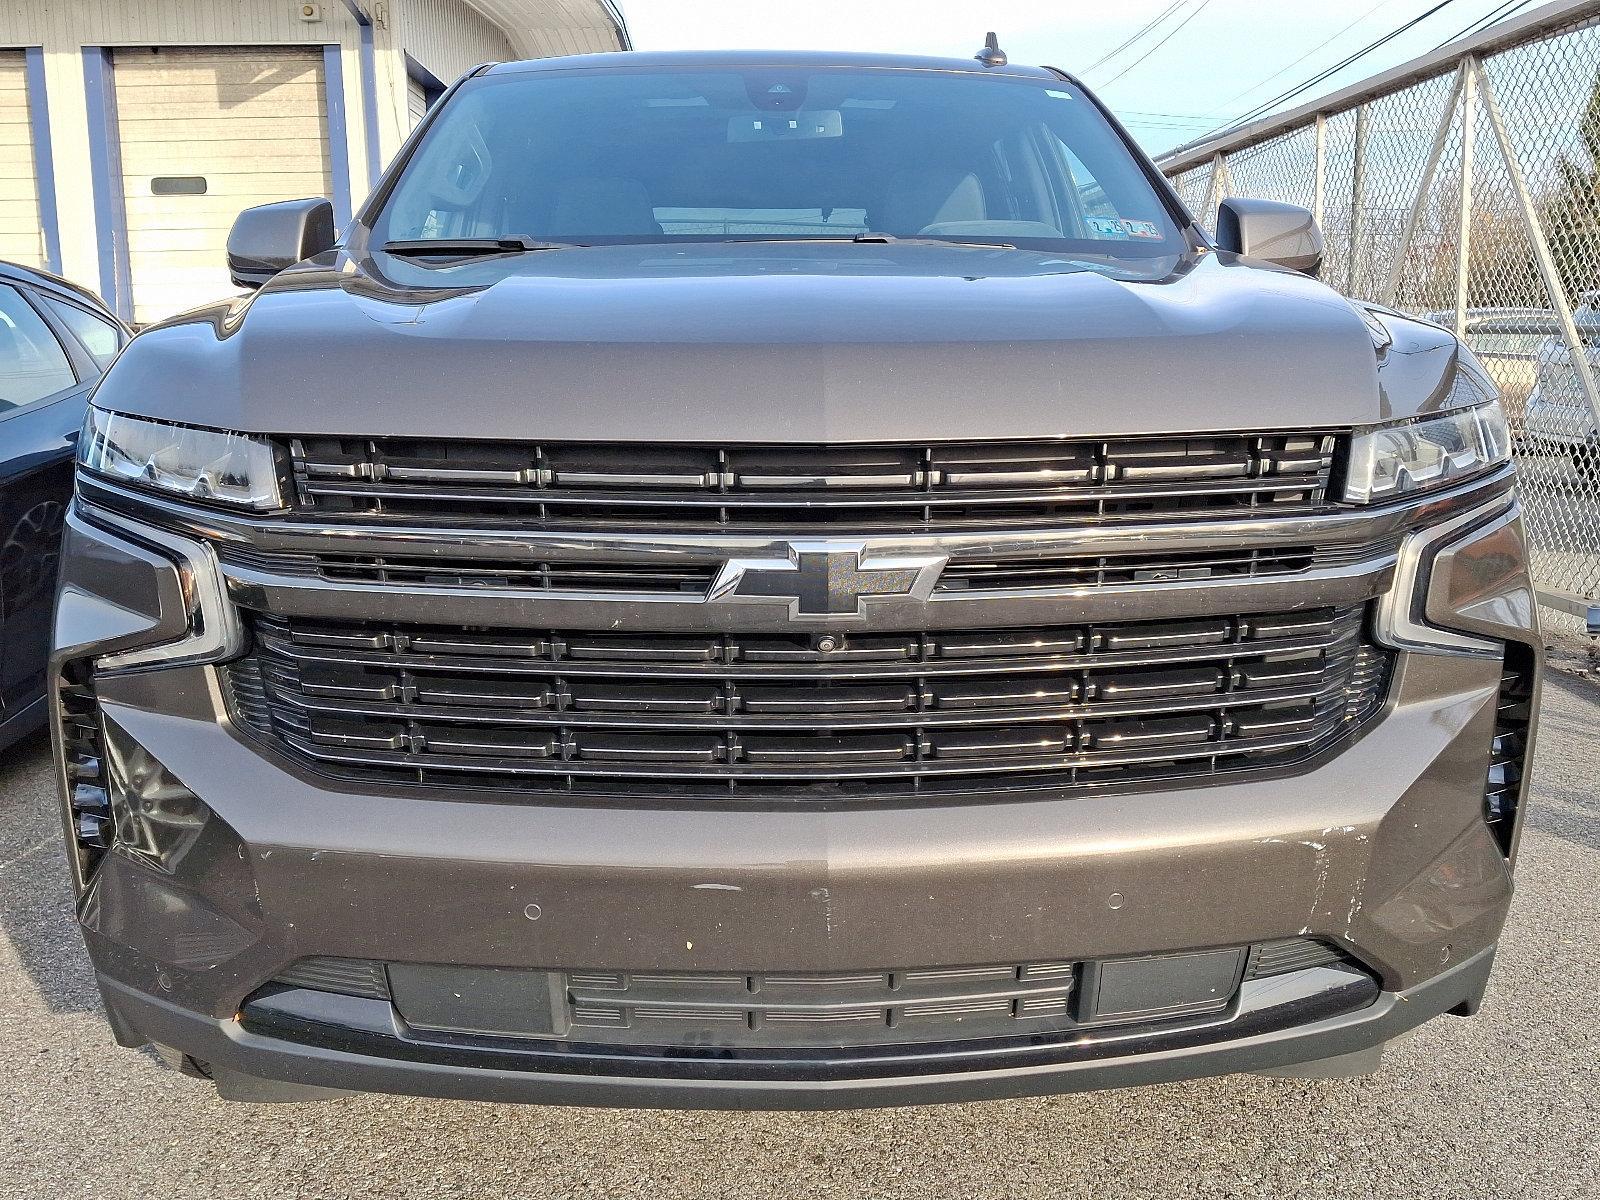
1430	452
197	464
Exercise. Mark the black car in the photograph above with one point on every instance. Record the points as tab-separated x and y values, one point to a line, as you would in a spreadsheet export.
56	340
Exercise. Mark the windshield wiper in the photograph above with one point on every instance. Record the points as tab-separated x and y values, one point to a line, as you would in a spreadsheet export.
871	237
472	247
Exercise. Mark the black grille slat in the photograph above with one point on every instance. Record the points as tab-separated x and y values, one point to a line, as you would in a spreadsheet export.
461	570
968	484
825	714
756	713
350	976
1290	954
1508	750
1125	569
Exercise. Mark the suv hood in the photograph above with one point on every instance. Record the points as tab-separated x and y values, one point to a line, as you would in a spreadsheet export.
761	343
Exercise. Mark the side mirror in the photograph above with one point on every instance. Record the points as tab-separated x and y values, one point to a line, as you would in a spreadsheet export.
1285	234
266	239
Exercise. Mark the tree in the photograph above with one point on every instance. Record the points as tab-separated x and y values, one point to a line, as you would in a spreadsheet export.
1570	212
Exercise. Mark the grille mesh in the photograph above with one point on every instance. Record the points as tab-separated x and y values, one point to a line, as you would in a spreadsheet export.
1509	749
954	485
783	715
348	976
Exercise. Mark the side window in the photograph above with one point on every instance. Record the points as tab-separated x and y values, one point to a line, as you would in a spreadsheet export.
100	337
32	363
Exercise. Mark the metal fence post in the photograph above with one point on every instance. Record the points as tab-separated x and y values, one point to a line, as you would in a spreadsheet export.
1358	189
1320	187
1441	135
1469	125
1213	190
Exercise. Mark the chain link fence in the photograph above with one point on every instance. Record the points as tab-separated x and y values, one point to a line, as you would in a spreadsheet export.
1465	188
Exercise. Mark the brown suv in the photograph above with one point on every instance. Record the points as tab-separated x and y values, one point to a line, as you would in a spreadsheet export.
787	581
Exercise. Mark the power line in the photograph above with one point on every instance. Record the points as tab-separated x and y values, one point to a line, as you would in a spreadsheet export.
1285	70
1178	28
1144	29
1494	16
1147	123
1268	105
1145	112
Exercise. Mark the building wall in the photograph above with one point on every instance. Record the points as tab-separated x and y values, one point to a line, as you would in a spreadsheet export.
446	36
64	29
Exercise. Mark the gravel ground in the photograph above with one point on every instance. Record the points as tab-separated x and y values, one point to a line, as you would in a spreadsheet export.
1501	1106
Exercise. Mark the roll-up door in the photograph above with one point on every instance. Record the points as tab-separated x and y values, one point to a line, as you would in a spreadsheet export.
20	238
205	133
416	101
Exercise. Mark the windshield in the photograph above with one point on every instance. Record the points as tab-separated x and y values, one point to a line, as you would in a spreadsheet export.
581	157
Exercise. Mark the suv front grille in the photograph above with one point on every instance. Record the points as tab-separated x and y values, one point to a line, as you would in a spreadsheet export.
941	486
880	713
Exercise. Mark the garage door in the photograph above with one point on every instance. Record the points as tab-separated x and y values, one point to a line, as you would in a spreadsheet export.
20	239
205	133
416	102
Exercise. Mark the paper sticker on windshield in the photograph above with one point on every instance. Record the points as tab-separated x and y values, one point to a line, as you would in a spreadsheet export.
1107	227
1142	229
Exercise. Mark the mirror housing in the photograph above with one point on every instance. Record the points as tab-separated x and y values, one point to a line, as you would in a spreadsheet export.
269	237
1284	234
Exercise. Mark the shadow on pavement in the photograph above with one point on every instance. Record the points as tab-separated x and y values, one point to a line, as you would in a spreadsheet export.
35	897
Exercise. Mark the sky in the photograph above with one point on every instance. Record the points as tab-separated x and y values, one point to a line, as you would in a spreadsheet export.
1221	57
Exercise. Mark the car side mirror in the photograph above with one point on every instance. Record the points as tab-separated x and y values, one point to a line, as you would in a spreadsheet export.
1285	234
269	237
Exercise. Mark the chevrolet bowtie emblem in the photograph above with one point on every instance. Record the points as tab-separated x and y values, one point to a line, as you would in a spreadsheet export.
828	579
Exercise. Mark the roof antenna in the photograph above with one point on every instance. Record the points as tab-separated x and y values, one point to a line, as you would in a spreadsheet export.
991	55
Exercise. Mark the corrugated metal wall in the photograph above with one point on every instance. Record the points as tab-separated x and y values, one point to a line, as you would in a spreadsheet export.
449	38
161	22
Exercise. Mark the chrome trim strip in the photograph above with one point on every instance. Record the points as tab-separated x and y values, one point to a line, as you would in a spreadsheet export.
677	612
713	610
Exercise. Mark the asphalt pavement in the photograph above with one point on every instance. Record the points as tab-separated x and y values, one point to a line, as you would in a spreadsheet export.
1506	1105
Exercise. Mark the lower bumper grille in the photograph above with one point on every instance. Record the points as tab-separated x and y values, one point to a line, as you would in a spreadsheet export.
808	716
1508	753
807	1009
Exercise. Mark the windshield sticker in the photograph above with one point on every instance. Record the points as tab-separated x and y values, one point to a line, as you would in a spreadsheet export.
1107	227
1142	229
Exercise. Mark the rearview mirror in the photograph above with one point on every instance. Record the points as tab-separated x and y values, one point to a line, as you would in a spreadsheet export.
266	239
1285	234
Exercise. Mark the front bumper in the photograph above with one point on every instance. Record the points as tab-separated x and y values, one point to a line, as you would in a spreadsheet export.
1379	847
1287	1031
